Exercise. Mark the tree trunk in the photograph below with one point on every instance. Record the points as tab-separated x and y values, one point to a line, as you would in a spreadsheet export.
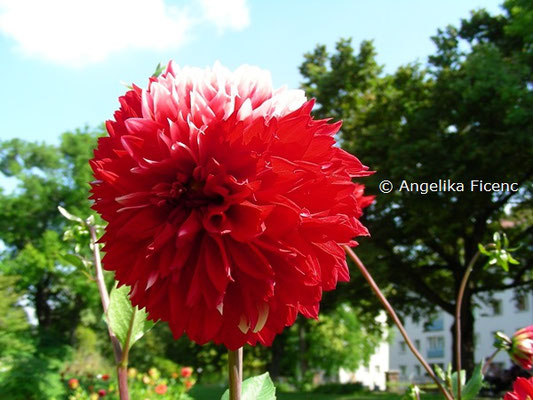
302	347
274	366
467	337
42	308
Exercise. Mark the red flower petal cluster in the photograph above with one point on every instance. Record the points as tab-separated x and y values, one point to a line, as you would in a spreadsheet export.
186	372
161	389
521	350
522	390
73	383
226	202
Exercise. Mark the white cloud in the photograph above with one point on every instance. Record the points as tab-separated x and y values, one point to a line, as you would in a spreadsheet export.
232	14
80	32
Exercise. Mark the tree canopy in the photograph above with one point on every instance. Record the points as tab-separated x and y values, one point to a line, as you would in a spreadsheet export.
466	115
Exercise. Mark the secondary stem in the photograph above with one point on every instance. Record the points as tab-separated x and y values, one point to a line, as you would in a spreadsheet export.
489	361
458	305
396	320
122	372
104	296
235	373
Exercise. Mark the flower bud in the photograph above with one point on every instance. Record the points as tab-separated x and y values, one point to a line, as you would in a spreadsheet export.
521	349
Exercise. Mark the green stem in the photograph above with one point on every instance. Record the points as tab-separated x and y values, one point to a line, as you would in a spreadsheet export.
235	373
458	305
396	320
104	296
122	369
489	361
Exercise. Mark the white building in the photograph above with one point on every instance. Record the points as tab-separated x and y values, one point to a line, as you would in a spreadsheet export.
371	375
507	313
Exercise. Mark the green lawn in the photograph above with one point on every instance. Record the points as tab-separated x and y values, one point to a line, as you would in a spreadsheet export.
201	392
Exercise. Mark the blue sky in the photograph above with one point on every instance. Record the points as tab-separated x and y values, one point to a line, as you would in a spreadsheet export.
62	61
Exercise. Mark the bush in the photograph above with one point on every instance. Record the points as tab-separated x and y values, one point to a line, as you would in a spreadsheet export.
339	388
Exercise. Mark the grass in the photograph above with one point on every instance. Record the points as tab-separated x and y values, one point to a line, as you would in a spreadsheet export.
203	392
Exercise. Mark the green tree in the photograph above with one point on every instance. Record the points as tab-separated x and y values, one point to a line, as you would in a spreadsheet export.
338	339
466	115
14	326
31	227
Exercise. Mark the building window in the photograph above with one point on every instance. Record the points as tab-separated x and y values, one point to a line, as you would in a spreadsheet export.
496	307
522	302
417	370
403	370
435	325
402	347
417	344
435	347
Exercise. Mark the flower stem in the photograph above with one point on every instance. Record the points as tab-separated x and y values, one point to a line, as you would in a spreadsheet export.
489	361
122	372
458	305
396	320
235	373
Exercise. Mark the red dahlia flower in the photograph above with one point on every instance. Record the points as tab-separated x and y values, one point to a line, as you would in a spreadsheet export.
226	202
186	372
522	390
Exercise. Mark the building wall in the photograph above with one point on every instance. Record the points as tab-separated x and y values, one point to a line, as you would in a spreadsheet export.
435	340
372	375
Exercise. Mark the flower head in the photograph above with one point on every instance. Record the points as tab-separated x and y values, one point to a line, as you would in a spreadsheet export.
226	202
186	372
521	349
161	389
188	384
522	390
105	377
102	393
73	383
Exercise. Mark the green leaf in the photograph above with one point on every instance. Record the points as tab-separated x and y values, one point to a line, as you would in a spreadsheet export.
158	70
454	381
128	323
256	388
412	392
474	385
72	259
440	373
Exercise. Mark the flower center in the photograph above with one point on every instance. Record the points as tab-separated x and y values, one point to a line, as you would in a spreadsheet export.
190	194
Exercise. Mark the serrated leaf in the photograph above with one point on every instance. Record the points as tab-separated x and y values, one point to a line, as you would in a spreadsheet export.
440	373
121	315
256	388
68	215
473	386
454	381
72	259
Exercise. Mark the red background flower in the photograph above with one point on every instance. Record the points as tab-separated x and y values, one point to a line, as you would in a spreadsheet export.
186	372
226	202
522	390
